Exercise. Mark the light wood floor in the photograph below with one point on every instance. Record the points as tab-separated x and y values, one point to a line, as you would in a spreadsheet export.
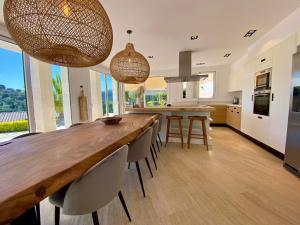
236	183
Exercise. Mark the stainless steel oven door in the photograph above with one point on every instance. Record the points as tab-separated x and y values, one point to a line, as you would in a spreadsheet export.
262	104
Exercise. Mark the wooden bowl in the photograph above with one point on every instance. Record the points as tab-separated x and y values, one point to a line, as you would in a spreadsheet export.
113	120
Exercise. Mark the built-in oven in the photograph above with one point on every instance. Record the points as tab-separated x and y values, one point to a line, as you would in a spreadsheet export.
263	79
262	102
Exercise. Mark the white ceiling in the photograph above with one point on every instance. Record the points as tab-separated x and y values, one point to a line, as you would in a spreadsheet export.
163	28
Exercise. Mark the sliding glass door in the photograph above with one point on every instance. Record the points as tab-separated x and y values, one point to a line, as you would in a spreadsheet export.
109	95
13	103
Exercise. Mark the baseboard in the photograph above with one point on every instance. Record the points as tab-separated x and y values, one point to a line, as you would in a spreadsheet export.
260	144
291	169
218	125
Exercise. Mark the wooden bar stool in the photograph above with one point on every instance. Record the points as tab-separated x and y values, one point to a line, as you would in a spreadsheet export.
169	134
198	136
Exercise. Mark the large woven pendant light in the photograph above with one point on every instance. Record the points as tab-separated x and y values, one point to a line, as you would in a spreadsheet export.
129	66
64	32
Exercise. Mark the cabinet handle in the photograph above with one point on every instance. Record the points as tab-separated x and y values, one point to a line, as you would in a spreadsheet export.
259	117
272	97
252	98
238	112
231	111
262	60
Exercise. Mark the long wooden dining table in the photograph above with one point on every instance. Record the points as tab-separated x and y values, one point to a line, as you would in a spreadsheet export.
35	167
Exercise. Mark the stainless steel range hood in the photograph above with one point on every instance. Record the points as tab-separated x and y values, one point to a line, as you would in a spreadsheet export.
185	69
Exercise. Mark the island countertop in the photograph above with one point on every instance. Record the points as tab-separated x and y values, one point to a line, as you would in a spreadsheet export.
202	108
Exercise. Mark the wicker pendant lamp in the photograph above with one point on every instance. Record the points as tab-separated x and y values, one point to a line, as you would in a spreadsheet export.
63	32
129	66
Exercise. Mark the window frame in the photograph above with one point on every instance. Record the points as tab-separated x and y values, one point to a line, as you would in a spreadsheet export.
214	85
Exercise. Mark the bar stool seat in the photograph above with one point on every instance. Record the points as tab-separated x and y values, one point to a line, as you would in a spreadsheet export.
169	134
203	136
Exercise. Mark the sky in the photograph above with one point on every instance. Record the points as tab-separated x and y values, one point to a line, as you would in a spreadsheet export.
11	69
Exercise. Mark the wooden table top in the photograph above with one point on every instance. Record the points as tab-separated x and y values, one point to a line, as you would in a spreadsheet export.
35	167
202	108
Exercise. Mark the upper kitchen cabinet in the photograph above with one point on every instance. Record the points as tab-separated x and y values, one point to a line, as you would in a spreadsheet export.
235	79
298	38
264	60
281	84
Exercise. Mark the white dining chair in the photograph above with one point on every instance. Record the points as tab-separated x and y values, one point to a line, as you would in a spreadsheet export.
95	189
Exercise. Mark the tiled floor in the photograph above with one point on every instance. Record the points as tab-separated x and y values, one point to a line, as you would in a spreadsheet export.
236	183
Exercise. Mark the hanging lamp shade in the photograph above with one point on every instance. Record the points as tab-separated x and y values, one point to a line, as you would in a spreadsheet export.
129	66
63	32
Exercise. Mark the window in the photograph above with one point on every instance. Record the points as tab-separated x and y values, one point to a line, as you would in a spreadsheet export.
109	95
61	96
155	92
13	103
207	85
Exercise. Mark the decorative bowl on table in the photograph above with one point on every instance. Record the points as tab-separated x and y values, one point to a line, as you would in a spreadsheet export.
111	120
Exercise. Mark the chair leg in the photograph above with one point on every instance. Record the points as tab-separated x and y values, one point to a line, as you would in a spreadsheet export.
154	149
124	205
38	213
190	133
181	135
95	218
149	167
159	139
129	165
157	146
167	133
57	215
154	161
205	134
140	177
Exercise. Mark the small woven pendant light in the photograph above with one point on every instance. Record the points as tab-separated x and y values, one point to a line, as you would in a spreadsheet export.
129	66
63	32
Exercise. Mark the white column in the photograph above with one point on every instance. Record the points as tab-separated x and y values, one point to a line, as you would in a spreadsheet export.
77	77
96	101
42	93
115	97
66	96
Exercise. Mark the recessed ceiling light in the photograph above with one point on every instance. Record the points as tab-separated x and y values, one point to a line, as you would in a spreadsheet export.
250	33
227	55
150	57
200	64
194	37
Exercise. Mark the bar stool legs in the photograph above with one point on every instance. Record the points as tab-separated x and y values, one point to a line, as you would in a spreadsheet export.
178	135
199	136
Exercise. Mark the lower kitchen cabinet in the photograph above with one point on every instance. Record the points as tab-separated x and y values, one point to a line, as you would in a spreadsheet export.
234	117
218	116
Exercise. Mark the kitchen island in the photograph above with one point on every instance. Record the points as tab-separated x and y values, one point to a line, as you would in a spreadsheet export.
184	111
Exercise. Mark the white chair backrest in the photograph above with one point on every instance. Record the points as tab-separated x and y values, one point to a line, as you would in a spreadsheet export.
140	147
155	127
98	186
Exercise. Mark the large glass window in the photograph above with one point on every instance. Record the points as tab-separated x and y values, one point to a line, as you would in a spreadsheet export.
207	85
13	104
60	90
155	92
109	95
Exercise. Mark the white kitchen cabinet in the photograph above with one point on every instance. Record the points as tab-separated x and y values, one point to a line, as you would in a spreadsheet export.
247	124
264	60
261	128
281	84
235	79
298	38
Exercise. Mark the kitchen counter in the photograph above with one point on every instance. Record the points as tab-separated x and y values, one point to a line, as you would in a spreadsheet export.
202	108
185	111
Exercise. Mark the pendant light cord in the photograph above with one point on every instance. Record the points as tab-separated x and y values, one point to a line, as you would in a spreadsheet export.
129	32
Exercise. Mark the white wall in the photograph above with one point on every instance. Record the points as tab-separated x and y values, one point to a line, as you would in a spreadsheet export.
280	32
